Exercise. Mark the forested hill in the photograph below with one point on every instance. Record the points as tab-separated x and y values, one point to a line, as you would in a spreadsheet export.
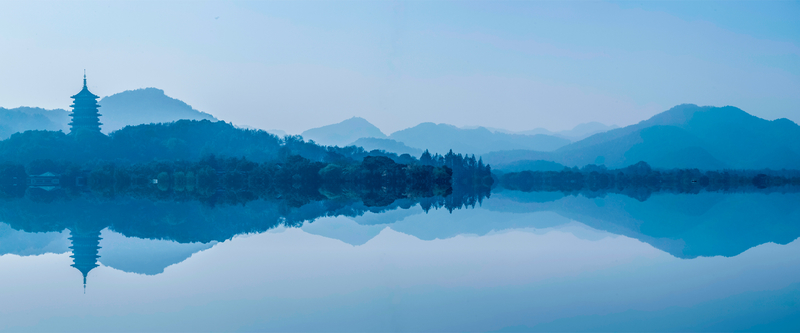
192	141
204	158
182	140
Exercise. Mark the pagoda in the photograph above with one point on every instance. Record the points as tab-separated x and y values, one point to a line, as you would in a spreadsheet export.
84	111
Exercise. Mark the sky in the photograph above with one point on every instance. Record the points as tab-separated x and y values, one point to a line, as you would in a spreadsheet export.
515	65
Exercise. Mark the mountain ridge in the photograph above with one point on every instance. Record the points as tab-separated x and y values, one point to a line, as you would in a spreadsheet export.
27	118
127	108
440	138
144	106
685	136
387	145
344	132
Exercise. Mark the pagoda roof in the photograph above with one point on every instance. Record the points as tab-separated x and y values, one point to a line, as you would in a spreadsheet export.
85	91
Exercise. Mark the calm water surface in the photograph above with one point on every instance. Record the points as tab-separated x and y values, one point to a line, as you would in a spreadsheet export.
518	262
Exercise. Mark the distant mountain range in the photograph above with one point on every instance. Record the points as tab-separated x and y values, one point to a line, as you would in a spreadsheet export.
437	138
441	138
151	105
132	107
343	133
388	145
686	136
577	133
25	118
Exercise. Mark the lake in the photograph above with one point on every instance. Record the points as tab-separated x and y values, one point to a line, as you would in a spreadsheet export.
515	262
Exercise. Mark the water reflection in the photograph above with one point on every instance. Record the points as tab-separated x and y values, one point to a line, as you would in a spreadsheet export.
85	245
686	226
145	256
517	261
516	280
85	216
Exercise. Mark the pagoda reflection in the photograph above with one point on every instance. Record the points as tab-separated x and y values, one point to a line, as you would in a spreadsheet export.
85	244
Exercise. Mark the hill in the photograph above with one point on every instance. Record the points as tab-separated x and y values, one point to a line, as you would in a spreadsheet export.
577	133
387	145
132	107
441	138
26	118
343	133
686	136
144	106
187	140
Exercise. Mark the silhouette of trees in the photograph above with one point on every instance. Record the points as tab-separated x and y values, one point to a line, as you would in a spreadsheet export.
640	180
377	180
12	180
132	151
189	140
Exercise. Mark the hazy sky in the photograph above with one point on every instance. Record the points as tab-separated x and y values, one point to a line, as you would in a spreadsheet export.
516	65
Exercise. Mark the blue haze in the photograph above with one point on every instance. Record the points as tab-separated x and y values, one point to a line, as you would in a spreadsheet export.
513	65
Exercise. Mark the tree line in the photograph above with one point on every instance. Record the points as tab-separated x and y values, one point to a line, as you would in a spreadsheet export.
188	140
377	180
243	156
218	197
640	180
467	170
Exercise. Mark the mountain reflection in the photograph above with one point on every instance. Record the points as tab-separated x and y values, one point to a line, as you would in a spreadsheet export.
684	225
188	221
